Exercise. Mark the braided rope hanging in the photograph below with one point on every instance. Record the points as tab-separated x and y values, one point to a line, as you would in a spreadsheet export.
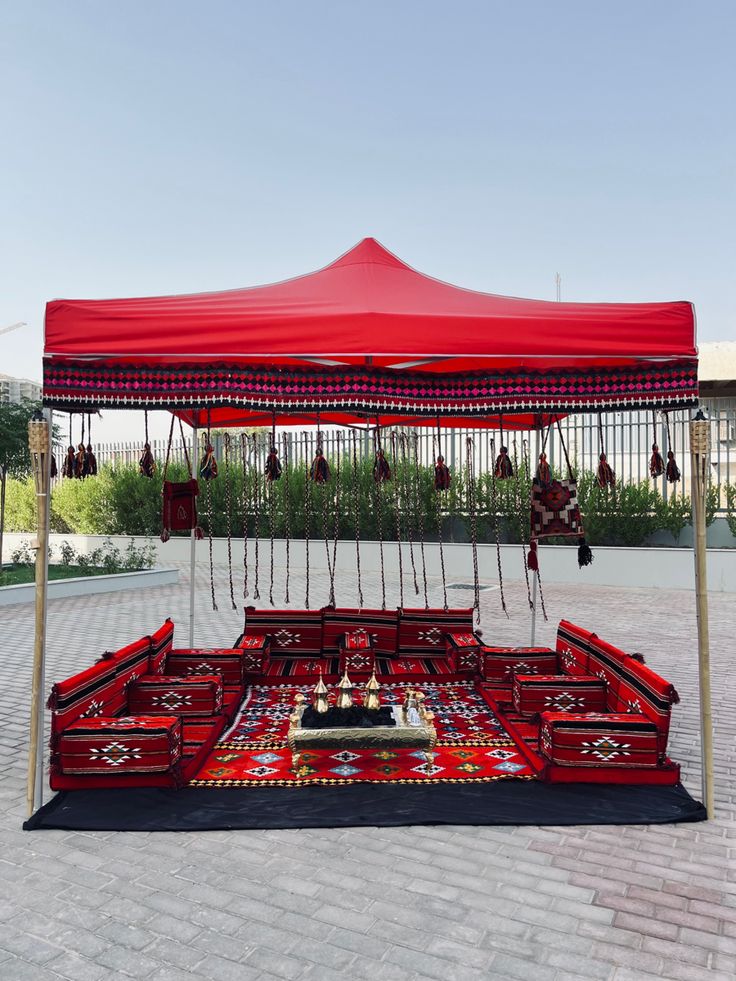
272	473
208	471
497	525
473	513
533	561
229	516
519	501
356	512
397	509
287	513
246	508
407	496
441	485
378	483
420	516
255	472
307	511
336	533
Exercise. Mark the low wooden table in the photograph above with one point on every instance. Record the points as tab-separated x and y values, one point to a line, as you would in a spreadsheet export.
400	736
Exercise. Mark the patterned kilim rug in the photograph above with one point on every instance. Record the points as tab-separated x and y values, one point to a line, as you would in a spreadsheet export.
472	746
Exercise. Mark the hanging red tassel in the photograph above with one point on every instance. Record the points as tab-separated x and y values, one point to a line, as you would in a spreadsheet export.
605	475
441	475
656	463
673	471
381	469
208	466
503	468
69	463
544	471
319	471
273	465
199	533
90	462
54	468
79	461
532	560
147	464
585	555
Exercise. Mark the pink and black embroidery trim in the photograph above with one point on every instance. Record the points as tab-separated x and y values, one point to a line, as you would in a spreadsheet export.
79	385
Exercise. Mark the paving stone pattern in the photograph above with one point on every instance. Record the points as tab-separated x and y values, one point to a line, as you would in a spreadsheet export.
385	904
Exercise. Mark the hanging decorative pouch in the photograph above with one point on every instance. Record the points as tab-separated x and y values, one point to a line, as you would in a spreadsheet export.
179	497
555	511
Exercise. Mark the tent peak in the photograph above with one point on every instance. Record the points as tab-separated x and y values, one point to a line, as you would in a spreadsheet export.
369	251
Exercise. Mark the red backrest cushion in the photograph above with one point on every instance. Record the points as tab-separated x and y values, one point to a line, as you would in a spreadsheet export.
293	633
641	691
93	692
131	661
161	643
607	662
423	631
381	625
573	647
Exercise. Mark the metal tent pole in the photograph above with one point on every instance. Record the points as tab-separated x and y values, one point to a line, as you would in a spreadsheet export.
699	466
193	541
39	441
535	573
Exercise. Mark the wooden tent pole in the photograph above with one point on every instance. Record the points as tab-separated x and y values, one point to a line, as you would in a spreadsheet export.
699	466
193	541
39	442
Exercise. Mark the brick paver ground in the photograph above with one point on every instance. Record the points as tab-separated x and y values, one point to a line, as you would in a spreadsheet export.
449	903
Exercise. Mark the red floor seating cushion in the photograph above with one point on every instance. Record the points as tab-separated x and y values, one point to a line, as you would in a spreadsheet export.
463	650
228	663
422	632
498	664
534	694
380	625
293	633
357	654
593	739
194	695
129	745
256	650
162	642
633	687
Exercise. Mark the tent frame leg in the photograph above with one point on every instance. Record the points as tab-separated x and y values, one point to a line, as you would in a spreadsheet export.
35	784
699	466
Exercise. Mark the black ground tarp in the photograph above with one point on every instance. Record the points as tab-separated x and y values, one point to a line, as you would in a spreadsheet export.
507	802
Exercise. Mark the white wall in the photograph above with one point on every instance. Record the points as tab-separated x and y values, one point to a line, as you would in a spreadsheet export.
646	568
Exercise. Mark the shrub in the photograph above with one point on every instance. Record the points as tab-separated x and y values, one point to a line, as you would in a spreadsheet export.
20	505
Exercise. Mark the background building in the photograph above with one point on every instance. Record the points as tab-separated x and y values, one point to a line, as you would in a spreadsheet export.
16	389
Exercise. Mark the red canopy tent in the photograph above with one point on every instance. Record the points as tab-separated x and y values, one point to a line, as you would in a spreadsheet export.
369	337
365	336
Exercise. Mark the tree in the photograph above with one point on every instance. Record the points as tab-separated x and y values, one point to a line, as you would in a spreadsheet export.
15	458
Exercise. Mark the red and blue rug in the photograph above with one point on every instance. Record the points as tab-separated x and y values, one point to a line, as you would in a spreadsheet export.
472	745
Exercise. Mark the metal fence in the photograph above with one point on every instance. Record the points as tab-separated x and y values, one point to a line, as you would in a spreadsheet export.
627	438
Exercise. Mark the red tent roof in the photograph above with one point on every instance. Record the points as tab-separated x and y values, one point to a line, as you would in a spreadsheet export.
369	310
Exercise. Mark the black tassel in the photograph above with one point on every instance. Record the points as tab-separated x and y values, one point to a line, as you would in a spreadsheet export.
69	463
381	469
656	463
441	475
319	471
673	471
605	475
532	559
208	466
54	468
147	464
544	471
273	465
503	468
90	462
79	462
585	556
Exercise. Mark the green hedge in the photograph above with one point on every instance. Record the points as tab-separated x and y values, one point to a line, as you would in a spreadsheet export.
121	502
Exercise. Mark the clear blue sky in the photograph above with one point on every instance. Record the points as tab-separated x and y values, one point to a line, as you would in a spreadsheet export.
158	147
